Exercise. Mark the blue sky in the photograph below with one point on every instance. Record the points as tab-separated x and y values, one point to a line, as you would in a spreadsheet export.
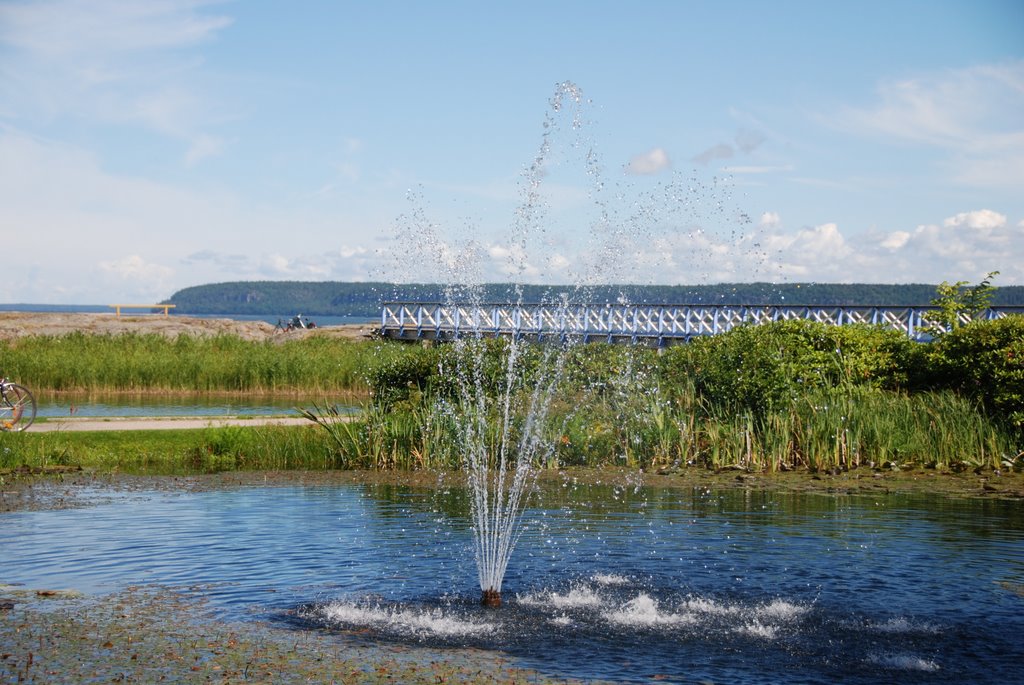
150	146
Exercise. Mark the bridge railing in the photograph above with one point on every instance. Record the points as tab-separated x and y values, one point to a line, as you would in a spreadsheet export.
647	324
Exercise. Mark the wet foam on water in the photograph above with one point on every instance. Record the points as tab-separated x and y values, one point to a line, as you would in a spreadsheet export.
901	624
904	662
417	622
609	579
621	612
576	597
583	606
644	610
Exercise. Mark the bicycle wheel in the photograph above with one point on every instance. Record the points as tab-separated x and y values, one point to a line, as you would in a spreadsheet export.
17	408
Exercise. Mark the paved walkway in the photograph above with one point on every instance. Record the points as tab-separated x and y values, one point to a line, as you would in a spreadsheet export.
161	423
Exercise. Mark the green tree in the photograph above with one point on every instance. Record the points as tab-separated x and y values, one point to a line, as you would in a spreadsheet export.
956	301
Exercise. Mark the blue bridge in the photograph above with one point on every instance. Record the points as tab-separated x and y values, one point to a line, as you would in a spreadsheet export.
656	325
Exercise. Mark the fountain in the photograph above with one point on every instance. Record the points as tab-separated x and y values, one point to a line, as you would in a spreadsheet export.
504	431
502	445
503	427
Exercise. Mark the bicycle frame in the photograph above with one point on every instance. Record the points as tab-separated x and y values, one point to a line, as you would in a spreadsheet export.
17	406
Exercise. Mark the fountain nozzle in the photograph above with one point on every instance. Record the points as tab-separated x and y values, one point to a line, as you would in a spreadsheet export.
491	598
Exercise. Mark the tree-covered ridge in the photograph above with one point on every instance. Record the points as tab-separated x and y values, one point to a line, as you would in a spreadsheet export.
334	298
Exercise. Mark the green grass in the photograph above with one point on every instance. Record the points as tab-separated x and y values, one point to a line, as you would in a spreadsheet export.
769	399
826	429
224	363
174	452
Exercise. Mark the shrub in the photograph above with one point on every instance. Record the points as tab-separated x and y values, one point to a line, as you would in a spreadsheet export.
397	378
761	368
956	301
983	360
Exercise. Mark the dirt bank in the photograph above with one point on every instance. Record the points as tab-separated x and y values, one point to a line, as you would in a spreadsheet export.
156	634
20	324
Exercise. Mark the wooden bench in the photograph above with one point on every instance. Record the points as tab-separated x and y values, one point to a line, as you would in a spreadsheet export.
119	307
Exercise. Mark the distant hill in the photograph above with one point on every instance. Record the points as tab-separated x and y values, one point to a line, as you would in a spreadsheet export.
334	298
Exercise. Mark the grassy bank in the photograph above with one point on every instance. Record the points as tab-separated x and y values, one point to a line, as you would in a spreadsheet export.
171	452
788	396
777	397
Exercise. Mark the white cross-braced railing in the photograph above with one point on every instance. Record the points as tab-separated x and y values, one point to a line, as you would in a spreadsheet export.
648	324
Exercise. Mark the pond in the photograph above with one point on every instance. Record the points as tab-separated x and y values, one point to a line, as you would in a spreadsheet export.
626	584
54	407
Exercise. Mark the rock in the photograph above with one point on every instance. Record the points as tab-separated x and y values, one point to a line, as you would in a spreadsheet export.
59	594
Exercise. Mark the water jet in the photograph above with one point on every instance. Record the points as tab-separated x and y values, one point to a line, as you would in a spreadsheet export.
504	388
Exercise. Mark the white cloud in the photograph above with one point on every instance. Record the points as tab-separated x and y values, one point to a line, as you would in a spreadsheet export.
134	267
651	162
753	169
111	62
559	263
74	28
203	146
719	151
824	241
746	142
895	240
965	246
819	253
347	252
984	219
973	114
132	273
136	239
230	262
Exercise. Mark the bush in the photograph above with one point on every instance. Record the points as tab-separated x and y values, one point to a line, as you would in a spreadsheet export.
983	360
397	378
761	368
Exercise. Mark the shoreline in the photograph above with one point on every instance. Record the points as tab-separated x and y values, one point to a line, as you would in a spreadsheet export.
14	325
163	634
67	488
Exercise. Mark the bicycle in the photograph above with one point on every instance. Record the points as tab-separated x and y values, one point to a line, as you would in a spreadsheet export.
17	406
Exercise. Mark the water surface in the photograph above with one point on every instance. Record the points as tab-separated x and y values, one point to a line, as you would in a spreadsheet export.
168	405
618	583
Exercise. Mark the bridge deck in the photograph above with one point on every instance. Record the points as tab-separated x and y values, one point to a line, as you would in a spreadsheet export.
636	324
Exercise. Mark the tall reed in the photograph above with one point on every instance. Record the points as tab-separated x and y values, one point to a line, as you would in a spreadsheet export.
222	363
